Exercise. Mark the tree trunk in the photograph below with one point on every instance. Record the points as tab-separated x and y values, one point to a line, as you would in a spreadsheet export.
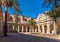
5	25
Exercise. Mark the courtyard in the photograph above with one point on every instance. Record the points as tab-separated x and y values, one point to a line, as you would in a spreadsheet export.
21	37
29	20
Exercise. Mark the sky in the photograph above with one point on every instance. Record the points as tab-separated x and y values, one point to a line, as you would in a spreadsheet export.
30	8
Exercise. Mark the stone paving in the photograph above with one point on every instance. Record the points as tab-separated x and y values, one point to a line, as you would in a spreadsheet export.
48	36
19	37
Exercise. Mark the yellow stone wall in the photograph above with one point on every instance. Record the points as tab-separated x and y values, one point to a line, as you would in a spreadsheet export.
58	25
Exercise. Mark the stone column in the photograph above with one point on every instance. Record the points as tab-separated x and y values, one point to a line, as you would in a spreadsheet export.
48	28
54	28
43	31
39	28
35	30
30	29
22	28
26	28
13	27
18	28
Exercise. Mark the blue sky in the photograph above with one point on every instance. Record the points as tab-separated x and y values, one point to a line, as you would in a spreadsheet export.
30	8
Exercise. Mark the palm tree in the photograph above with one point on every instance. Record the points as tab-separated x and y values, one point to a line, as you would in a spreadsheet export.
7	4
55	11
55	3
32	23
16	12
54	14
1	16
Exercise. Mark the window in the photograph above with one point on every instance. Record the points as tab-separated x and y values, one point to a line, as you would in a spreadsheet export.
11	19
24	19
17	19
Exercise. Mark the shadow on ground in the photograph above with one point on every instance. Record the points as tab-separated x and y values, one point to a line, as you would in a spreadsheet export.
18	37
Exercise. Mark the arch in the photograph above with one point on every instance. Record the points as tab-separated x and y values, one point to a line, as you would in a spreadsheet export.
37	29
58	28
10	27
11	18
51	28
24	29
18	19
45	28
41	28
24	19
28	28
34	28
20	30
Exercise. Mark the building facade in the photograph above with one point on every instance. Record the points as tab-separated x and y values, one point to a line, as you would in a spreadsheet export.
22	22
44	24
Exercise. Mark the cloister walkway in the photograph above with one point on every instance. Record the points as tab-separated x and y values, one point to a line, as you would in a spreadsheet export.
19	37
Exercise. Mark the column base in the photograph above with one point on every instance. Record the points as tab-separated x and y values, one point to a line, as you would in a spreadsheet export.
39	31
48	32
54	32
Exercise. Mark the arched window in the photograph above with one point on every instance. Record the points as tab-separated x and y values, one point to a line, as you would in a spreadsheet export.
51	28
17	19
24	19
45	28
11	19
